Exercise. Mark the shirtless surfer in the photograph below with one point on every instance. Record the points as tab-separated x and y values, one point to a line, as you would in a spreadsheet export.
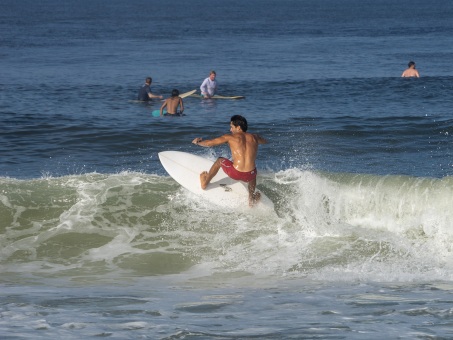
172	104
410	71
244	148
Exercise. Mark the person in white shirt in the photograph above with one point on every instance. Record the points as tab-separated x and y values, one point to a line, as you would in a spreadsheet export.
209	86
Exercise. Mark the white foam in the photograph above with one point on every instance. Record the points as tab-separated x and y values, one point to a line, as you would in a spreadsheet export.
327	226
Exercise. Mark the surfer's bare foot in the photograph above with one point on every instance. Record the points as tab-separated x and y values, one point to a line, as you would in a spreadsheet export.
204	179
254	198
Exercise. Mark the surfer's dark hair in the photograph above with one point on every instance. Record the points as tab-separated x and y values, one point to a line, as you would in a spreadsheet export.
240	121
174	93
411	63
149	80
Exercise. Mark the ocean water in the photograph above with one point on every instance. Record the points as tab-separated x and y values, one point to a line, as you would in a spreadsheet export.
96	240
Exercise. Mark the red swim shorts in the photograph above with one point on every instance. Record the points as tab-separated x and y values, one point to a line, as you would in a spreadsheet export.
229	169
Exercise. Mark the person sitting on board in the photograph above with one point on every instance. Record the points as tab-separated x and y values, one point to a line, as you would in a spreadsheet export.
172	104
209	86
244	148
145	93
411	71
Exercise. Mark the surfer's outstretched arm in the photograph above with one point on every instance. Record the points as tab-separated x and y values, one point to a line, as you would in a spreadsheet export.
211	142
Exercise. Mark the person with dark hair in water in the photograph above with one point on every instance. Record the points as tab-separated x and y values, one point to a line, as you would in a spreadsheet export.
145	93
172	104
244	149
410	71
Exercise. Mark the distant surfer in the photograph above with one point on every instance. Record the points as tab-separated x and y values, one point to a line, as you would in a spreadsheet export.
410	71
145	93
172	104
244	148
209	86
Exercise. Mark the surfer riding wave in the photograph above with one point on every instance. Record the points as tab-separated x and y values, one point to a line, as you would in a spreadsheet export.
244	149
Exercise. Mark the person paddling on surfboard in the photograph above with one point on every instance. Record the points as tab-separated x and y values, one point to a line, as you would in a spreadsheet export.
244	149
209	86
172	104
145	91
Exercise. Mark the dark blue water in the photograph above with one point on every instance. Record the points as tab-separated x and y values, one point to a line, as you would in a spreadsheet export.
329	71
97	240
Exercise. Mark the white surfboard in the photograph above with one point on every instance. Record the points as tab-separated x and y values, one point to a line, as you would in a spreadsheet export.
216	96
182	95
187	94
185	168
